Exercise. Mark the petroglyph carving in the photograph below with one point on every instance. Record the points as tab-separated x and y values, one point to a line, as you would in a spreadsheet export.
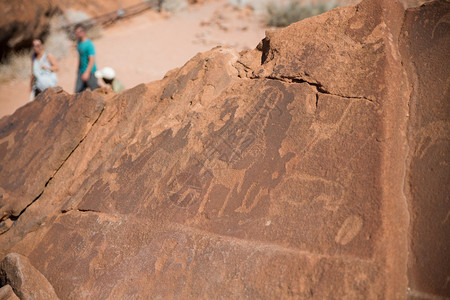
349	230
305	178
428	136
230	144
185	188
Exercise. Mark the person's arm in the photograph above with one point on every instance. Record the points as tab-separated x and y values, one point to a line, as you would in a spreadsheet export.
53	63
87	73
32	79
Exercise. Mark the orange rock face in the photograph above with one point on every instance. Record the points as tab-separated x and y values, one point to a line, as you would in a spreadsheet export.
23	279
7	293
427	62
311	167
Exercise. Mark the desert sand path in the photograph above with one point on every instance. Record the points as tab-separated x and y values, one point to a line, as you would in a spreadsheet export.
144	48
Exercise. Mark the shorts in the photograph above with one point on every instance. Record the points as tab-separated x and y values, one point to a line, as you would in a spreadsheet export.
83	85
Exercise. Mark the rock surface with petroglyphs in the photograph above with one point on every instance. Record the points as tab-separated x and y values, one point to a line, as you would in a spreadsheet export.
295	170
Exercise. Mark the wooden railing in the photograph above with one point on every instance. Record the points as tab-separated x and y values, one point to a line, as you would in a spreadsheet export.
112	17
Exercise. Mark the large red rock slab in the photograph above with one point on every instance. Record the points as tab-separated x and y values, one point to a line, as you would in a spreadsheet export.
237	169
37	140
180	261
27	283
56	190
346	40
254	161
426	41
257	175
221	172
7	293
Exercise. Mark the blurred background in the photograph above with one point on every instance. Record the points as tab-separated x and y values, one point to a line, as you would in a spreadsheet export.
141	40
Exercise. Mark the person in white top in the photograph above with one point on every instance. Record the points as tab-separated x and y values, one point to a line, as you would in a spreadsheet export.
43	68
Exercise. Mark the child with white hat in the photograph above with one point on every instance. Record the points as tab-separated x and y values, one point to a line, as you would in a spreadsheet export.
109	77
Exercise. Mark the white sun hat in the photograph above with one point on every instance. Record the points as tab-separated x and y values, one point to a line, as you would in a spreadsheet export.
107	73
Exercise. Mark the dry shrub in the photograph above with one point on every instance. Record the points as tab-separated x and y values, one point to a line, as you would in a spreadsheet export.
74	16
94	32
71	17
58	42
16	66
256	5
285	13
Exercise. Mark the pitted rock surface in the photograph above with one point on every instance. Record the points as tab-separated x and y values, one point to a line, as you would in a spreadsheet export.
273	173
47	130
7	293
427	58
27	283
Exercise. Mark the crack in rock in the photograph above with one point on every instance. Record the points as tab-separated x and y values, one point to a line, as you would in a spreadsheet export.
319	87
81	210
15	218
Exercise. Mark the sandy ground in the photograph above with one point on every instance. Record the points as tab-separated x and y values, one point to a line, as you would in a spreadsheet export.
144	48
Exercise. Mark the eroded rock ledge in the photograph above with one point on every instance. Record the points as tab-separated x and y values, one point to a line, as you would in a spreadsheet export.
314	166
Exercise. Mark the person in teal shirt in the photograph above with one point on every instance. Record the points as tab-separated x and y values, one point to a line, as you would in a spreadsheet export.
86	65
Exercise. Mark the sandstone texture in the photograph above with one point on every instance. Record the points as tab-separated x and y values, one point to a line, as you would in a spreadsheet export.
18	274
314	166
47	133
425	46
7	293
